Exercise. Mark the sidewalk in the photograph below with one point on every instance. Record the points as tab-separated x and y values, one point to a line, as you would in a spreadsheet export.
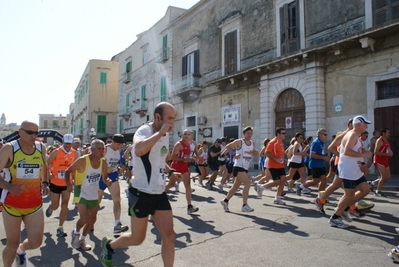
392	183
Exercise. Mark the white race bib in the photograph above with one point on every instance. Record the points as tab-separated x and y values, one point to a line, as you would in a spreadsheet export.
28	171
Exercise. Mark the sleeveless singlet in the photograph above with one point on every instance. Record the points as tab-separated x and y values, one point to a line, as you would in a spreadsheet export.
349	167
246	155
25	169
63	160
112	157
89	180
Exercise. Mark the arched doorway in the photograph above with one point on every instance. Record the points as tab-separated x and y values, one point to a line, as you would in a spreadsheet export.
290	112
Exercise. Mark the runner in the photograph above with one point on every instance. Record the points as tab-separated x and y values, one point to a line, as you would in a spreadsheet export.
59	160
88	170
147	193
22	193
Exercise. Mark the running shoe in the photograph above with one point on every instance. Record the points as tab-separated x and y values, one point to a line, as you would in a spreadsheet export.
329	203
49	211
278	202
290	190
106	254
379	194
176	187
298	190
192	190
397	230
220	186
346	217
20	260
60	232
84	246
394	255
252	179
306	190
260	191
256	186
119	228
319	206
208	186
193	178
246	208
75	240
337	223
365	206
371	186
356	213
192	209
225	205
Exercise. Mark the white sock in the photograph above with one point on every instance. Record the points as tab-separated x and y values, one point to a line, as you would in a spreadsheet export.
117	222
81	237
19	250
76	232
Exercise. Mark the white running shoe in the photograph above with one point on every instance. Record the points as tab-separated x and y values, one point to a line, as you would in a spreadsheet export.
225	205
278	201
221	187
246	208
337	223
75	240
306	190
260	191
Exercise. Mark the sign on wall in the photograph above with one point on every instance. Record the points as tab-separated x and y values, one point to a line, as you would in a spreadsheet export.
288	122
231	115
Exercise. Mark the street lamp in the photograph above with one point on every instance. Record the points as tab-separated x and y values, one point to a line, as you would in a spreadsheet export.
92	134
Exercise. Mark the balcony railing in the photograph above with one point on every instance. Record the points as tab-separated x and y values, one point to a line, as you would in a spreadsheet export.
162	54
189	81
127	77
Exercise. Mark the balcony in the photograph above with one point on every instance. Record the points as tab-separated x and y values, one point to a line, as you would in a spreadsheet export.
127	77
142	108
188	87
162	55
125	116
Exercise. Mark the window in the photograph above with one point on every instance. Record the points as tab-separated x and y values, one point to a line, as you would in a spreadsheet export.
289	27
165	46
101	123
190	63
163	89
129	66
45	124
385	10
87	85
103	78
143	96
127	104
64	123
191	121
145	56
230	52
388	89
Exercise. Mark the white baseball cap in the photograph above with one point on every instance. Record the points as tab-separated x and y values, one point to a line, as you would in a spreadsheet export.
68	139
359	119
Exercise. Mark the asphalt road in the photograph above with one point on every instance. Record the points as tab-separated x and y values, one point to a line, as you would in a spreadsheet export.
272	235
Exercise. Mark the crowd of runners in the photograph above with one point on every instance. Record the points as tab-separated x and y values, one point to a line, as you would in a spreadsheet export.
151	170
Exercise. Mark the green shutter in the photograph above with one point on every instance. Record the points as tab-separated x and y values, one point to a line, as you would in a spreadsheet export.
103	78
127	103
101	123
143	95
165	46
87	86
129	67
163	89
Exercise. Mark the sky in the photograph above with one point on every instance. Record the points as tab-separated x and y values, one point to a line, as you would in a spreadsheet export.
46	45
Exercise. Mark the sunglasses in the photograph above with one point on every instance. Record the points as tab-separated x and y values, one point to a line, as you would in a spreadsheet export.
30	132
187	133
283	133
324	134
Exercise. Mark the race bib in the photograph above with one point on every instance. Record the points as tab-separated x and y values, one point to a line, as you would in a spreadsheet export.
61	174
161	177
28	171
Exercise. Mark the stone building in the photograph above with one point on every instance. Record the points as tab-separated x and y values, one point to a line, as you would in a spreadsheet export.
56	122
94	110
298	64
145	75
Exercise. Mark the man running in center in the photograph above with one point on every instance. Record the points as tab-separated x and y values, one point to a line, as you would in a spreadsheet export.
244	153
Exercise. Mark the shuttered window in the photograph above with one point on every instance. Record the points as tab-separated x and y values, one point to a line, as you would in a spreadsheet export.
103	78
385	10
289	27
127	104
129	66
163	89
165	46
190	63
143	96
101	123
230	52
